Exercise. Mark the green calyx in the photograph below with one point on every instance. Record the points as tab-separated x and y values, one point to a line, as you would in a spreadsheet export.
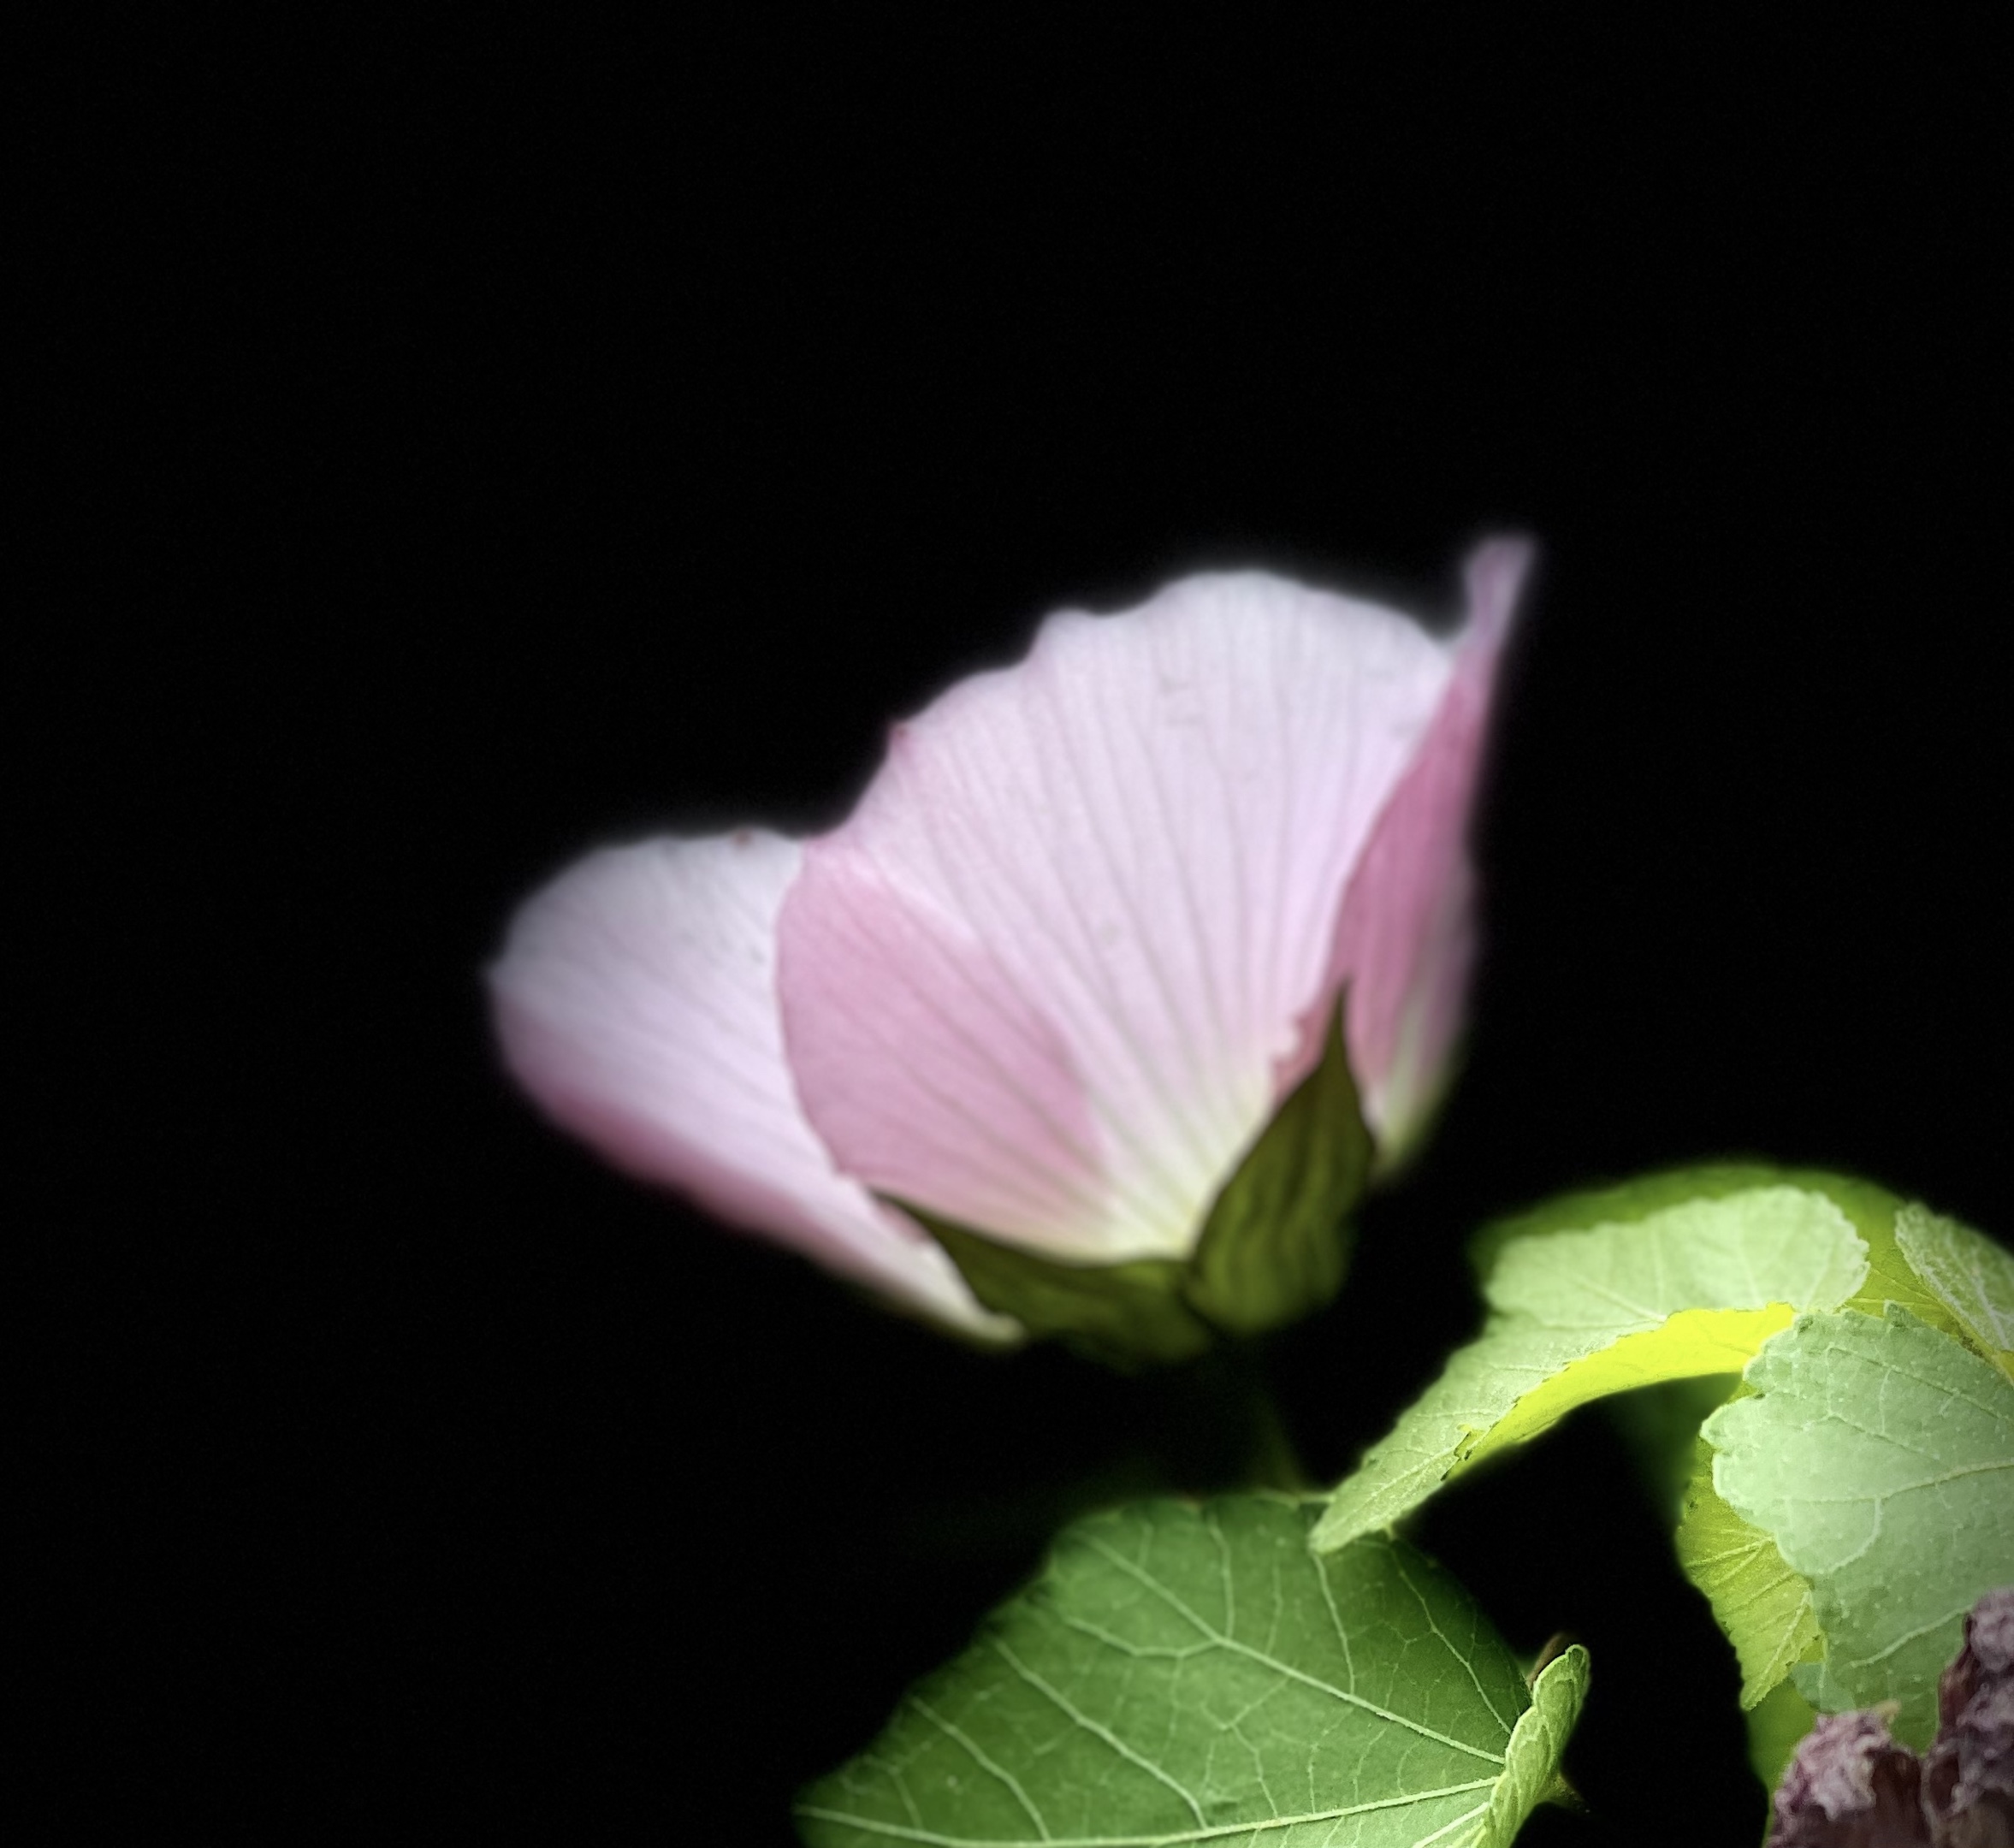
1273	1246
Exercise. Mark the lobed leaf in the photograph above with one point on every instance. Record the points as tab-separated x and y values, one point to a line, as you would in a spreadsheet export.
1879	1456
1764	1607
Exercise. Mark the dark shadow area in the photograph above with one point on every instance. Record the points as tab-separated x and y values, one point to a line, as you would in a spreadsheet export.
488	443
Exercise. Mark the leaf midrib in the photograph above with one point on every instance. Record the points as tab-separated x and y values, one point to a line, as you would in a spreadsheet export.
1288	1670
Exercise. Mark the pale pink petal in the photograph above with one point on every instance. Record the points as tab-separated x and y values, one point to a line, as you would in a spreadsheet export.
1046	979
636	999
1405	942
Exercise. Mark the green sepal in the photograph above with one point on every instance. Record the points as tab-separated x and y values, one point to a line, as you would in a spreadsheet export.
1276	1242
1274	1245
1124	1314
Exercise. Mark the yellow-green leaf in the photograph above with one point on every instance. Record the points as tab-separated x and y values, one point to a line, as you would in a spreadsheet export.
1969	1276
1879	1455
1764	1607
1692	1288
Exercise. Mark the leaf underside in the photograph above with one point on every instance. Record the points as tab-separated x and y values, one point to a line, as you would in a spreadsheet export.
1762	1605
1858	1493
1691	1288
1878	1452
1971	1276
1182	1674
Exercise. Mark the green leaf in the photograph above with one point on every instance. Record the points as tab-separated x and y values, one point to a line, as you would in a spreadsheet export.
1970	1275
1692	1287
1890	1278
1764	1607
1870	1209
1276	1243
1531	1772
1879	1456
1182	1675
1776	1725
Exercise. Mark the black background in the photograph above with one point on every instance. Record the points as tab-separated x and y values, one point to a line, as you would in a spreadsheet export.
481	440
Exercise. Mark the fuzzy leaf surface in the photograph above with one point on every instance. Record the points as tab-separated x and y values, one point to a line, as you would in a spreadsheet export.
1879	1455
1971	1276
1694	1287
1764	1607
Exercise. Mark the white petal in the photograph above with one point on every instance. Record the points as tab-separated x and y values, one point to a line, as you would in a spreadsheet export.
1046	979
636	999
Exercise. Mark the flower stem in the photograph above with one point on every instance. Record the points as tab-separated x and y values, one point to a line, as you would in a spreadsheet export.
1218	1425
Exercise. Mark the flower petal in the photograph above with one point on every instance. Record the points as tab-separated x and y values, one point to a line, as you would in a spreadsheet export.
1405	943
1046	979
636	999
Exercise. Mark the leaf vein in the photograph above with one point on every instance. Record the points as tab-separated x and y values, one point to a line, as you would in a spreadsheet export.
1206	1832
